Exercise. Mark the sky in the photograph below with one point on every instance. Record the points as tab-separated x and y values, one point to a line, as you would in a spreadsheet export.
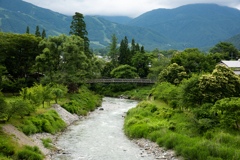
130	8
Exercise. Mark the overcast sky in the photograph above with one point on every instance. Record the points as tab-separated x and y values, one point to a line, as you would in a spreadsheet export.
131	8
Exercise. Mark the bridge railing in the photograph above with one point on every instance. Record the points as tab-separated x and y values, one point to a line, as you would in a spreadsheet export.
120	81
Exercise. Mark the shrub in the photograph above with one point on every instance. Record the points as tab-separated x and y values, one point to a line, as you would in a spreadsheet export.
30	153
46	143
6	148
29	128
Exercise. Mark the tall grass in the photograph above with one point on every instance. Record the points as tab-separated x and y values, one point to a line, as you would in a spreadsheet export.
178	129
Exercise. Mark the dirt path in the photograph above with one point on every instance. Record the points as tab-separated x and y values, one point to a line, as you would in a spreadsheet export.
21	138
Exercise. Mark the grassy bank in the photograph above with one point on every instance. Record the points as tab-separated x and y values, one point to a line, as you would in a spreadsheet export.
178	129
132	91
43	120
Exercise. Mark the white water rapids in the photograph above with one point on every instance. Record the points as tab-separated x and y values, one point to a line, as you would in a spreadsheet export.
100	136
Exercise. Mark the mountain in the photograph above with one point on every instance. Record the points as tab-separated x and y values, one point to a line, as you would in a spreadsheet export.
116	19
199	24
235	40
16	15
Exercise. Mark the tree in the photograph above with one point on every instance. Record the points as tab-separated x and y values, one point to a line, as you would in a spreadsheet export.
222	83
3	106
124	52
141	61
227	49
44	92
113	52
157	65
44	34
19	107
37	32
59	91
19	52
189	94
173	74
27	30
78	28
230	112
124	71
193	61
142	49
106	70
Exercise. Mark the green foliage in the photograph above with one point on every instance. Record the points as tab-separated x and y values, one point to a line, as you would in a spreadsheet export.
124	71
37	32
46	143
19	51
78	28
82	102
59	91
3	106
141	61
193	61
30	153
113	52
173	74
49	122
189	92
19	107
6	148
226	48
157	65
229	111
222	83
166	91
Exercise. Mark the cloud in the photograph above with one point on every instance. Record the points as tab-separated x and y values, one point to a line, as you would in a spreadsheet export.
131	8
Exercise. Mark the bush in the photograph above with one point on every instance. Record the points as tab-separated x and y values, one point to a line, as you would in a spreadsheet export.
48	122
6	148
30	153
46	143
29	128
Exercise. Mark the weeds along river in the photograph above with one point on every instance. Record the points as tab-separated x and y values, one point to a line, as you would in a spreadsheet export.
101	135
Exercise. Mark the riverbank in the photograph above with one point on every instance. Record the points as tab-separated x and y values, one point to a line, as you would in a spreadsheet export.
49	119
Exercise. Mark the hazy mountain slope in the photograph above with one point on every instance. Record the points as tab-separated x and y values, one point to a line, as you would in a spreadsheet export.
116	19
235	40
200	24
16	15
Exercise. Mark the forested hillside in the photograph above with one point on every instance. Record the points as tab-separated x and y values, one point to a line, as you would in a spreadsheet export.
235	40
16	15
117	19
199	24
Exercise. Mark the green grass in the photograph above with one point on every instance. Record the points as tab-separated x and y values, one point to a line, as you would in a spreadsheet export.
178	130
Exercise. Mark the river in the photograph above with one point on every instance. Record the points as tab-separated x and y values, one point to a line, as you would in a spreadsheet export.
101	136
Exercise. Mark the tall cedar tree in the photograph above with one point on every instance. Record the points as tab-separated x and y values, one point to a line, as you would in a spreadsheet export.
44	34
78	28
37	32
27	30
113	52
124	52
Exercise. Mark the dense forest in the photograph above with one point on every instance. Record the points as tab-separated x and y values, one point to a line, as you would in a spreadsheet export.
196	108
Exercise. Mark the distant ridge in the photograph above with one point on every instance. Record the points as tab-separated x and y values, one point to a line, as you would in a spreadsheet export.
199	24
16	15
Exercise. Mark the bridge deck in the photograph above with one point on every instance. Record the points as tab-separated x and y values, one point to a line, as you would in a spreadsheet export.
120	81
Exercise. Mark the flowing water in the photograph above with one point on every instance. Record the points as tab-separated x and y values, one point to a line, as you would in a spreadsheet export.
100	136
